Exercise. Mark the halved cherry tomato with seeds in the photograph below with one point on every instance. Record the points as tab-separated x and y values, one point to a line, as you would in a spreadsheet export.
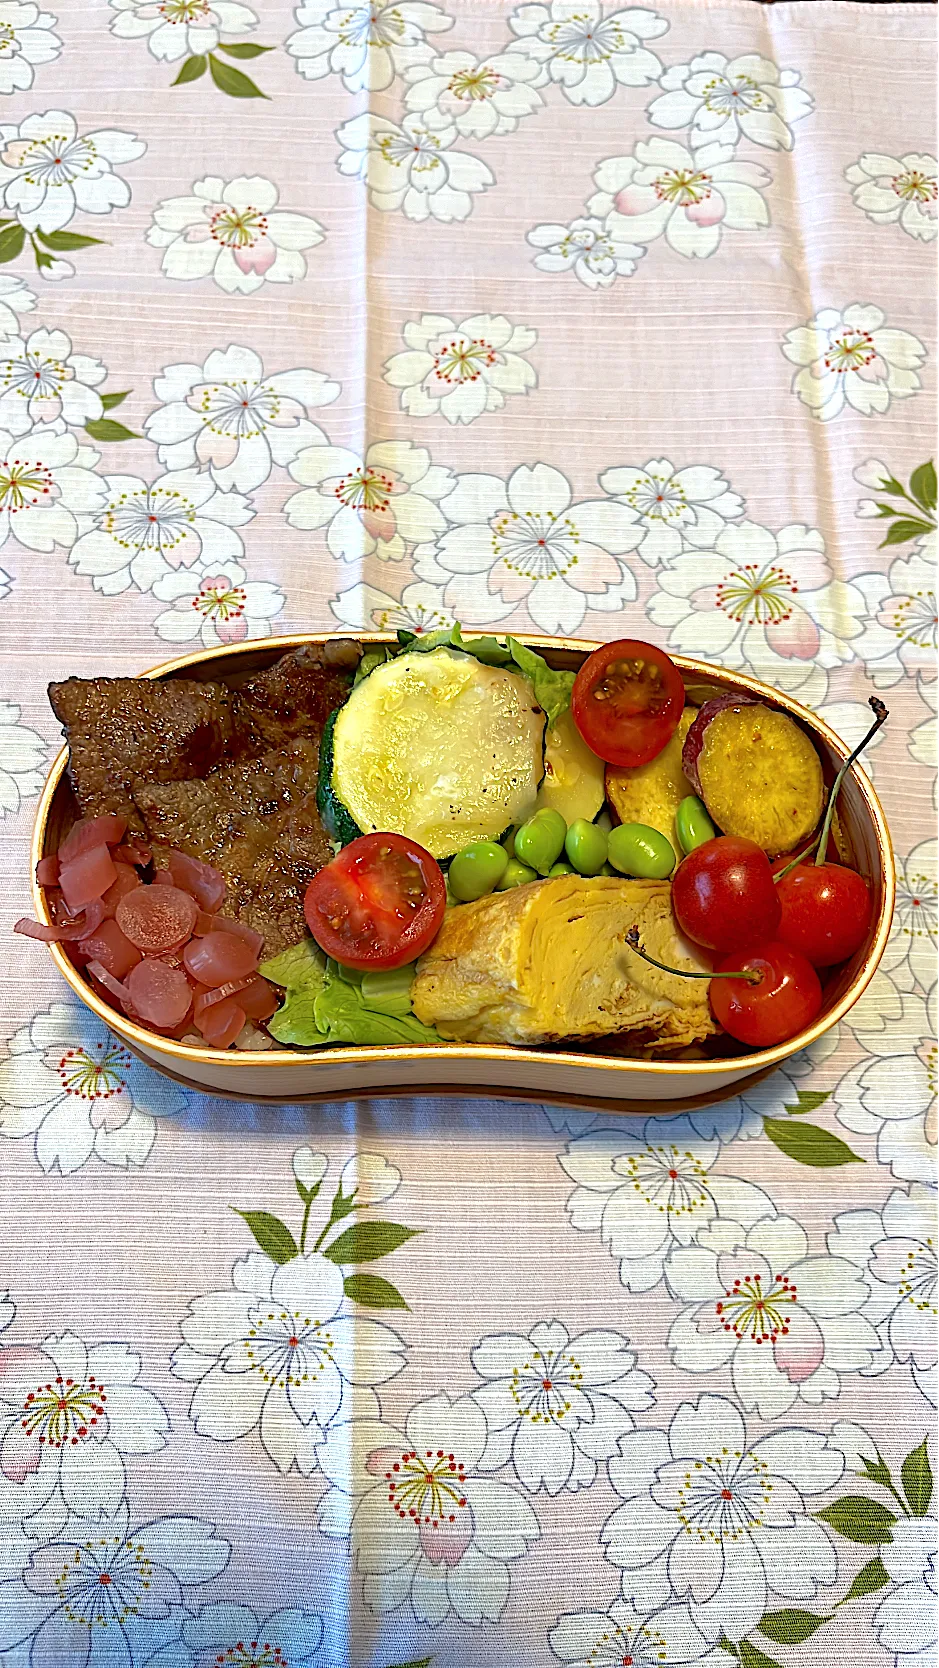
627	700
379	903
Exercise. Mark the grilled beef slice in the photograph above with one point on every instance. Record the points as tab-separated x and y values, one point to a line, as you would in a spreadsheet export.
124	729
255	821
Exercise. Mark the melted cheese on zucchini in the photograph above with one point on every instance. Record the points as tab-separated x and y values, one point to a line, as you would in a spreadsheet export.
439	747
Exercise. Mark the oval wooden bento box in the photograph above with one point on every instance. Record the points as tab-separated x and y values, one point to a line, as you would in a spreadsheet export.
608	1082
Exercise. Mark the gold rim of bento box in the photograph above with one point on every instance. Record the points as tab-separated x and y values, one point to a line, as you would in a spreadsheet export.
279	1059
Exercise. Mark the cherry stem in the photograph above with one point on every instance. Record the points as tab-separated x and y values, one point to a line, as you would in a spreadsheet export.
820	846
752	975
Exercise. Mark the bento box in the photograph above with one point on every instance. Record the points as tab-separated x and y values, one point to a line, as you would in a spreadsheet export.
587	1076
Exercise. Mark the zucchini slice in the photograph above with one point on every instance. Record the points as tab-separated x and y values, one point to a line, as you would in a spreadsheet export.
440	747
573	775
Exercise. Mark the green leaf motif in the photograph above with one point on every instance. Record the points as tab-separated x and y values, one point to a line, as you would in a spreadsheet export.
273	1236
790	1627
374	1292
889	484
191	70
860	1519
877	1471
867	1580
751	1657
12	239
916	1475
243	49
422	1662
109	401
923	485
366	1240
808	1100
809	1144
726	1645
903	530
64	242
104	428
232	82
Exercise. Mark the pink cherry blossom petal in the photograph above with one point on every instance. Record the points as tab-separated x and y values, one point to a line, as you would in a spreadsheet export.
800	1350
20	1453
379	523
636	199
259	257
708	212
444	1539
797	638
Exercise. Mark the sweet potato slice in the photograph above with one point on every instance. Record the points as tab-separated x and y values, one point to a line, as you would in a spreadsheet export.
651	793
760	776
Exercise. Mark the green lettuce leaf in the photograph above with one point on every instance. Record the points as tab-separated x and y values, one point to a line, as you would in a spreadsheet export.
552	689
322	1005
341	1012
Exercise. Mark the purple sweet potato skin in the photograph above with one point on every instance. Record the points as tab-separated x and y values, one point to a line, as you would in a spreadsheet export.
694	740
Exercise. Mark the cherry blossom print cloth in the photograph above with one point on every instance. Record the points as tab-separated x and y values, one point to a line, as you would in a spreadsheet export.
564	317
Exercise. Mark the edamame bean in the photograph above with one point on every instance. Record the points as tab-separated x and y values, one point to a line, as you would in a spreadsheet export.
638	850
560	868
476	870
585	846
692	824
516	874
540	841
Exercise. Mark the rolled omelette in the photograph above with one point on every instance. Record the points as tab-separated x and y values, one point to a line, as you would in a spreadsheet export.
548	961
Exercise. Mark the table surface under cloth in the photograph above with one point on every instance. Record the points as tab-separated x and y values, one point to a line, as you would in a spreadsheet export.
581	321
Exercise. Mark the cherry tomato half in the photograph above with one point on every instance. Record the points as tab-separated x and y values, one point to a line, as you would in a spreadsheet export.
627	700
379	903
785	999
826	911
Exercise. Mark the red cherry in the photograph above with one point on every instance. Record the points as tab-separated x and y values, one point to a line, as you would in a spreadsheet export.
723	895
826	912
781	1003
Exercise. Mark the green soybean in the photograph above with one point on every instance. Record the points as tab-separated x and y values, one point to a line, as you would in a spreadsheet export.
692	824
516	874
561	868
540	841
476	870
585	846
638	850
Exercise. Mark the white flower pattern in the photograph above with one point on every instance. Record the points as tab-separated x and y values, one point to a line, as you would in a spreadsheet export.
689	198
275	1354
480	97
852	357
586	51
897	190
523	540
411	167
719	1521
460	370
368	43
175	29
23	754
145	532
722	99
228	417
786	1323
27	40
48	170
426	1528
234	233
556	1406
588	248
372	505
73	1087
